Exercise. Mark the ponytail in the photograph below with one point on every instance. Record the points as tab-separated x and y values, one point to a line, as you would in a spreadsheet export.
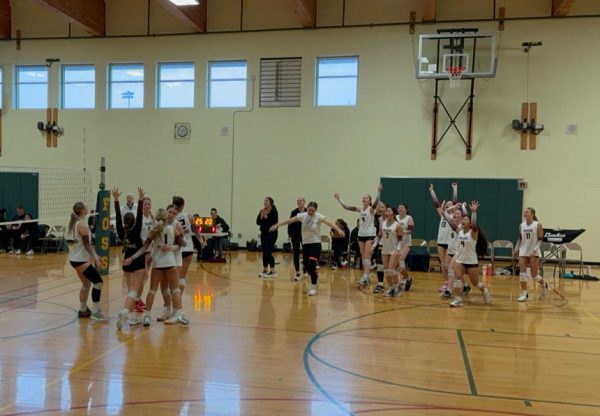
77	208
157	230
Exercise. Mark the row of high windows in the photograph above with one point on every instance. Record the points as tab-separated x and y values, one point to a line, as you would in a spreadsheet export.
336	84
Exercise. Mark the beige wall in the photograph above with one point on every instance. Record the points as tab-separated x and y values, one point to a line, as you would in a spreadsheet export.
314	151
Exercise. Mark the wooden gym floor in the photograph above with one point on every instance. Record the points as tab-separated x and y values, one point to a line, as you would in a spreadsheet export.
259	347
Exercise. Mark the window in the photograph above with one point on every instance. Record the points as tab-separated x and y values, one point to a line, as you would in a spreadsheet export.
337	81
126	86
31	84
175	85
280	82
78	89
227	84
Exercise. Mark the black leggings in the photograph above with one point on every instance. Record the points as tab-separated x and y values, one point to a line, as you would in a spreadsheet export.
267	241
296	243
311	254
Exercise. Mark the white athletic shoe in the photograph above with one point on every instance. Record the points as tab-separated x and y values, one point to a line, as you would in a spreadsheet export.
98	316
545	290
364	281
121	318
182	319
486	296
389	292
272	274
524	296
133	321
146	321
263	274
18	252
166	315
313	290
29	253
171	320
456	303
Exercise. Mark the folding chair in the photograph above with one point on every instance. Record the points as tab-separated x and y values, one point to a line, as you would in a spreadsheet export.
433	254
325	250
504	245
55	235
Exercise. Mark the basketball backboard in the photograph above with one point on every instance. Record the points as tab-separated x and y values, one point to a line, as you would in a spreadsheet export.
452	48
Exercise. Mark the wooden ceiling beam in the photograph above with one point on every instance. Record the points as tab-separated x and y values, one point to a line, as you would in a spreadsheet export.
306	10
428	11
89	14
192	16
5	19
561	7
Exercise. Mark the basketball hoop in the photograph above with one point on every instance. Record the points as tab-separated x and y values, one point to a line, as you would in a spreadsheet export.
455	74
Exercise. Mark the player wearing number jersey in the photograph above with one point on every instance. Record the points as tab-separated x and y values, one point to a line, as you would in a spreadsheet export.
466	258
444	230
453	217
379	219
129	229
531	233
391	245
407	223
366	231
167	238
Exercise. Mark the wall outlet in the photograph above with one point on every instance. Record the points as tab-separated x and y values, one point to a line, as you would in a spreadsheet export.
224	131
239	235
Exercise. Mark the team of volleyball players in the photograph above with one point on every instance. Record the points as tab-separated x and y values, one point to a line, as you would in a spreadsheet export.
164	243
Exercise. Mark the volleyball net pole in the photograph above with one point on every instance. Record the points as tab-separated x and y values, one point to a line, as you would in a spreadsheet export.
103	221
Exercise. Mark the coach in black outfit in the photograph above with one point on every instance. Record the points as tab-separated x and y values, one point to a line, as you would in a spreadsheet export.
295	234
266	218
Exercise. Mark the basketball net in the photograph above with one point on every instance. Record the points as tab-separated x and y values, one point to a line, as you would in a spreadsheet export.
455	74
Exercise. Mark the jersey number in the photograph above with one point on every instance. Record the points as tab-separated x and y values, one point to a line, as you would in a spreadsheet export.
528	235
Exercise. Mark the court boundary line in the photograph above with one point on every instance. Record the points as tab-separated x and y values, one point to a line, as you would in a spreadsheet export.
467	364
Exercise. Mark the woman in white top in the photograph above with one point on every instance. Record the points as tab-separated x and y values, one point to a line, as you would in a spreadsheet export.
443	237
531	233
311	239
408	224
390	236
453	216
166	238
81	257
466	258
148	222
366	231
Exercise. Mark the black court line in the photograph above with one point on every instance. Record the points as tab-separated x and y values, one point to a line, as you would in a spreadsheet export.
466	362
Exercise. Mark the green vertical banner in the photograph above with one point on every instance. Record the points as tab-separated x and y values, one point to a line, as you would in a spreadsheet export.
103	229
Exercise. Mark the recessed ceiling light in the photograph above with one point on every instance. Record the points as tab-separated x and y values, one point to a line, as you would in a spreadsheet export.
185	2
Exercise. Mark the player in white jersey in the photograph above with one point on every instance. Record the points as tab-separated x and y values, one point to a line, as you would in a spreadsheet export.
366	231
376	256
166	238
408	224
311	221
466	258
148	222
81	257
443	236
453	217
531	234
390	236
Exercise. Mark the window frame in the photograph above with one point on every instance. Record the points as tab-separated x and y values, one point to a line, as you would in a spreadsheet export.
63	83
159	81
17	85
110	83
318	78
211	80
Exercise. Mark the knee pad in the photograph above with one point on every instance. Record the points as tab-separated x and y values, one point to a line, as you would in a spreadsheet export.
480	285
182	281
97	286
458	284
366	262
389	272
380	268
92	275
538	278
152	292
133	295
166	293
176	291
523	277
401	265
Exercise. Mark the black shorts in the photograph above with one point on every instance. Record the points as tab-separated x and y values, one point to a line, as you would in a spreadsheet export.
451	255
365	239
469	266
137	264
443	246
185	254
76	264
164	269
